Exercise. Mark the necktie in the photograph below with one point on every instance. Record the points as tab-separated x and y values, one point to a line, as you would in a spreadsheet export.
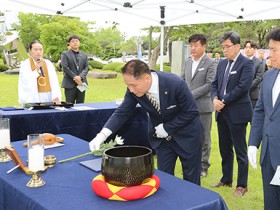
153	101
225	79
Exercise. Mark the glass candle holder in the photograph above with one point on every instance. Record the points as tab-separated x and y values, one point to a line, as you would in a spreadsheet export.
36	163
5	139
36	152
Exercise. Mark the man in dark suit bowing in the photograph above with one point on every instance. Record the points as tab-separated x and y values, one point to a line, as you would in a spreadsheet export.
265	125
230	94
75	68
175	129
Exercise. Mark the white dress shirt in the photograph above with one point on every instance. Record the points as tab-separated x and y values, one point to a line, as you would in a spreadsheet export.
276	90
195	64
154	89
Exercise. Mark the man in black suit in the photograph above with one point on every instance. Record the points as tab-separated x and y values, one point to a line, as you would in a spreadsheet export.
250	49
175	129
230	94
75	68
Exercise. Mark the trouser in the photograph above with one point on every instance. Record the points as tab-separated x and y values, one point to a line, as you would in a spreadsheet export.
271	192
167	154
73	95
233	135
206	119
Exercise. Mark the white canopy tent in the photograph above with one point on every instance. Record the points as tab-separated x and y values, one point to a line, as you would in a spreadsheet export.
145	13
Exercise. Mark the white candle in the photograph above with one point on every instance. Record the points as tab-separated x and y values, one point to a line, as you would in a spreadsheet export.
36	158
5	138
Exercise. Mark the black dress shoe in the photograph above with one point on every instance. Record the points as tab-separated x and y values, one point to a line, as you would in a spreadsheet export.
221	184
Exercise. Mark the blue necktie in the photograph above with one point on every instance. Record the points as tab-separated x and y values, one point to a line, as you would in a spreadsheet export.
225	80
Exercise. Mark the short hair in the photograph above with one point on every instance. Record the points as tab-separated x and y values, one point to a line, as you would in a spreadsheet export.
232	36
34	42
72	37
252	43
198	37
136	68
274	35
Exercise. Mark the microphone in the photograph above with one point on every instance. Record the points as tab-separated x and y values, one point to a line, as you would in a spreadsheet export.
41	69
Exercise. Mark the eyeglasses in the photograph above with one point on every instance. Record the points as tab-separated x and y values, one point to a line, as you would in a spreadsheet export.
226	47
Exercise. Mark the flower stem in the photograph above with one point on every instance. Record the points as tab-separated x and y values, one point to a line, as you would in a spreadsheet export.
75	157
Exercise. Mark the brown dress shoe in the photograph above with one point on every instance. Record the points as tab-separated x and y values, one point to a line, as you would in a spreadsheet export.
240	191
221	184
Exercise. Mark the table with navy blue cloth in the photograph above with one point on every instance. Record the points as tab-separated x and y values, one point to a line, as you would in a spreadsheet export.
68	186
84	124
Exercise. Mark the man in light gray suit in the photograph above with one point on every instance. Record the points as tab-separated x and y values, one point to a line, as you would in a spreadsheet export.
199	73
266	123
250	49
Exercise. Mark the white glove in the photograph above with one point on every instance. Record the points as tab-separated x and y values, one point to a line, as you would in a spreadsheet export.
160	131
95	143
252	156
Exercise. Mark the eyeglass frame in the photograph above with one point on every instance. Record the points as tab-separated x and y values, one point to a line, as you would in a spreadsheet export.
227	46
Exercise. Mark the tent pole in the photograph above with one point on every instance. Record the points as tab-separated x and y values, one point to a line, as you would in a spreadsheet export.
162	22
161	46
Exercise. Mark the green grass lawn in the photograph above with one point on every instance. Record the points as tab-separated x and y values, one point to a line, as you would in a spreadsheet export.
112	89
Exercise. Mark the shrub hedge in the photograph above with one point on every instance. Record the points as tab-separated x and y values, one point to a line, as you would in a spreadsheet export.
3	67
165	68
96	64
112	66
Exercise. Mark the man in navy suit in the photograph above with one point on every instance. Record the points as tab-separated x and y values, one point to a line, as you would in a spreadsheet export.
174	131
265	126
230	94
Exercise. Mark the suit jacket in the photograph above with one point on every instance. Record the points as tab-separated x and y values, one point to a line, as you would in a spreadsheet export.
70	70
266	121
179	113
200	83
238	105
259	70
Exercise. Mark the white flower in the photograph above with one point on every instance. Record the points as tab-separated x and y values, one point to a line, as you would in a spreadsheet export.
119	140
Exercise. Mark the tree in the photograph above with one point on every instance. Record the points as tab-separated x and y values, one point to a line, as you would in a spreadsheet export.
156	51
29	27
53	31
129	47
54	36
109	38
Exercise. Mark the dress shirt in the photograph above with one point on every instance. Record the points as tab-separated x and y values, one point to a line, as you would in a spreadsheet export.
154	89
195	64
276	89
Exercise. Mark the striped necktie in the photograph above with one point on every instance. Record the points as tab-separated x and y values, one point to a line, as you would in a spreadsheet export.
225	79
153	102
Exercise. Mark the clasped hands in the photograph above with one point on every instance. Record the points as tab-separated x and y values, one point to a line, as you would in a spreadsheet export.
78	80
218	104
160	131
